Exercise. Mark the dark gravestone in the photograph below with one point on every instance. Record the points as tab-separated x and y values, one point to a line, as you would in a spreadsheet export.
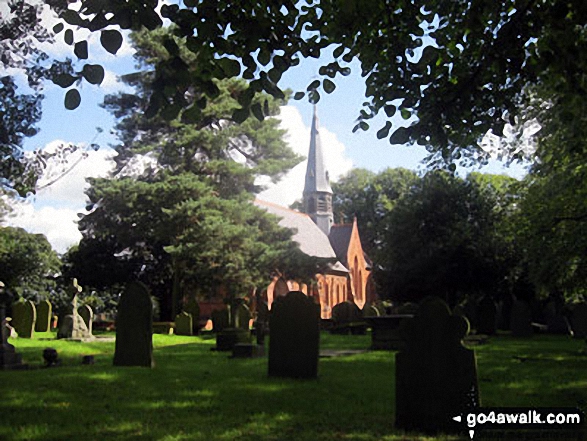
504	313
521	319
370	311
184	324
579	320
436	376
486	316
134	327
44	316
348	319
556	322
192	307
242	317
220	320
24	315
294	337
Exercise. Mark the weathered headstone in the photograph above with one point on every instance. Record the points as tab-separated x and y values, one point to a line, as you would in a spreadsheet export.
72	325
579	320
521	319
24	316
220	320
348	318
87	315
242	317
486	316
184	324
294	338
9	358
192	307
370	310
504	313
436	376
134	327
44	316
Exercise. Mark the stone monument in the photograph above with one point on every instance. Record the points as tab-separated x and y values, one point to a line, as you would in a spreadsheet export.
9	358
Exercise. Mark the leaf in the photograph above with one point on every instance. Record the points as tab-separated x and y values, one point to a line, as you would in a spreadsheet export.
111	40
345	71
328	85
314	97
299	95
405	113
232	68
313	85
58	28
364	126
68	37
64	80
338	51
400	136
390	110
240	115
264	57
384	131
81	50
93	73
258	111
72	99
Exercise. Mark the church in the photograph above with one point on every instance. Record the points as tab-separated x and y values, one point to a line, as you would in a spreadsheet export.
350	276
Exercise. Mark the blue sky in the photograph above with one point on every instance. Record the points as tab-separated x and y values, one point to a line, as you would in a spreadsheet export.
53	211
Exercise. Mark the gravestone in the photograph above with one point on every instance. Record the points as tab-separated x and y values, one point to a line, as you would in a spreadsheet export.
87	315
556	322
579	320
9	358
348	319
24	316
486	316
134	327
370	311
220	320
294	336
242	317
521	319
72	325
44	316
192	307
504	313
436	376
184	324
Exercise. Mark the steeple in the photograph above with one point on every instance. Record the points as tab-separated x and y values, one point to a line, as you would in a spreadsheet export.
317	190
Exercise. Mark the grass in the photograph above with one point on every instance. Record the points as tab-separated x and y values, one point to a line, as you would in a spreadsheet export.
197	394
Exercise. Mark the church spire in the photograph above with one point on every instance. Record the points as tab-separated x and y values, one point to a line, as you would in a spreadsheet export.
317	190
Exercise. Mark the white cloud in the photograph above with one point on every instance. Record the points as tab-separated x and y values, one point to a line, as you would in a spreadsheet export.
53	210
290	188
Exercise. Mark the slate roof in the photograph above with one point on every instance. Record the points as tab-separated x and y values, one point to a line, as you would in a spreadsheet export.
340	238
312	240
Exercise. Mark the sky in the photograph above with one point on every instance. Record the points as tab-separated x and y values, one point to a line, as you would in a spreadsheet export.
53	211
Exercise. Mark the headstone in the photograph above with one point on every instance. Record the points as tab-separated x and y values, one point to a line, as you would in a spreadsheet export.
579	320
348	319
44	316
370	311
486	316
242	316
87	315
504	313
294	338
521	319
220	320
184	324
134	327
436	376
192	307
73	325
9	358
24	316
556	322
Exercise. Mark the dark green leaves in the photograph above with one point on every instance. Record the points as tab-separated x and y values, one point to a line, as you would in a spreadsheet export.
72	99
81	50
328	85
58	28
400	136
384	131
299	95
68	37
64	80
230	67
111	40
93	73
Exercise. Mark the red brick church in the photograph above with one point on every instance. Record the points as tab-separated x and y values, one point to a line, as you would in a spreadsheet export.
349	278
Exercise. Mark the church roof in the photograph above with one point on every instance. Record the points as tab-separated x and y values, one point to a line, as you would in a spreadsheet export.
317	179
311	239
340	238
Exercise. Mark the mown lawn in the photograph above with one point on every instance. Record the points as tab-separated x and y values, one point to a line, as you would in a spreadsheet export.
194	393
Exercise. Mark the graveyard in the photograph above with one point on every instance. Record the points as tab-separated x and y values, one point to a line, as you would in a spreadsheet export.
194	393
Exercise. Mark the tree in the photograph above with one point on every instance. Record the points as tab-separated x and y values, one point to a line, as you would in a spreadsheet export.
459	68
28	264
442	239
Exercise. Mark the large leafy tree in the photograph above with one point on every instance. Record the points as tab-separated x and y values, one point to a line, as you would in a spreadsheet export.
28	264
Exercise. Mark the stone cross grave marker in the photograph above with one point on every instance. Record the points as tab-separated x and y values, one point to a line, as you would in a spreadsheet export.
44	316
73	325
193	308
294	336
436	376
183	324
87	315
134	327
24	316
